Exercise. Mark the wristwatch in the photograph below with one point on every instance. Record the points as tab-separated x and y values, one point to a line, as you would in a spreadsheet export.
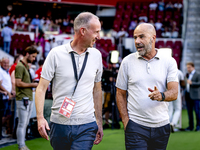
163	96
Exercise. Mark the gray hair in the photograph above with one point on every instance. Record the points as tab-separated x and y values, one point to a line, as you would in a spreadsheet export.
82	20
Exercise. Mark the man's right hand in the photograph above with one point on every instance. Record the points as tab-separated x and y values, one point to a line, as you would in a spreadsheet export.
125	122
35	84
42	127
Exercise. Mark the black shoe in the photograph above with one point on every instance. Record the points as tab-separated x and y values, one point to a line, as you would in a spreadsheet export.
188	129
197	128
106	126
172	128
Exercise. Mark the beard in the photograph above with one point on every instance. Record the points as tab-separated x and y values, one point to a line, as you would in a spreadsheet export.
147	48
29	60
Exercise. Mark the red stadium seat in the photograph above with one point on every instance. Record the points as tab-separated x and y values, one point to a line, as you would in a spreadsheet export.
168	14
160	44
152	15
109	42
129	6
137	6
120	5
134	15
177	45
169	44
160	15
145	6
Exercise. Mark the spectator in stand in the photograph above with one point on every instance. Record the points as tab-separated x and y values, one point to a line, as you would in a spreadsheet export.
23	18
47	47
6	33
122	33
65	22
175	33
178	6
166	33
6	18
39	71
142	16
40	51
71	24
35	22
34	44
166	24
169	6
53	43
152	22
42	21
158	25
153	5
141	21
45	27
161	5
133	24
48	21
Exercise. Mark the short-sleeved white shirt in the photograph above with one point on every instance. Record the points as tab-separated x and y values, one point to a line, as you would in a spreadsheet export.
59	68
136	75
6	81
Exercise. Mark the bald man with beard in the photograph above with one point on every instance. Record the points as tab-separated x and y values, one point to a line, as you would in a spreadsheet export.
146	82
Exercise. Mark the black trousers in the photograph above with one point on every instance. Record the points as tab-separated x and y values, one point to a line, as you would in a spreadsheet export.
192	104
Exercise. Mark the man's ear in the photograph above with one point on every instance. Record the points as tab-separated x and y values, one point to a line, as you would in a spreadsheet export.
82	31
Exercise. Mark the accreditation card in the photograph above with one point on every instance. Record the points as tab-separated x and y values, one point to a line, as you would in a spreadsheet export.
67	107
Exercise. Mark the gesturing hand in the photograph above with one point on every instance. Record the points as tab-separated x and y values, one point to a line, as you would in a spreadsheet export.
155	94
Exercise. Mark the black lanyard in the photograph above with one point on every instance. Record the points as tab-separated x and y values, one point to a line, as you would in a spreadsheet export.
75	70
27	69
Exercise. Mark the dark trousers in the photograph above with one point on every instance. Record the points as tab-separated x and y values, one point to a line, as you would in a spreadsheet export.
139	137
191	105
72	137
1	114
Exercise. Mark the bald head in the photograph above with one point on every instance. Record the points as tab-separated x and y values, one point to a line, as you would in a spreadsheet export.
146	27
5	63
83	20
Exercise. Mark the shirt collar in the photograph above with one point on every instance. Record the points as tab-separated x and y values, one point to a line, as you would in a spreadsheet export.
5	69
69	48
157	56
192	72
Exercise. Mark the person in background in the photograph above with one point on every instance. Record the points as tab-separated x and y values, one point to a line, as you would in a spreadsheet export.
144	90
47	48
6	85
175	107
6	33
53	43
153	5
40	50
192	96
39	71
161	5
24	94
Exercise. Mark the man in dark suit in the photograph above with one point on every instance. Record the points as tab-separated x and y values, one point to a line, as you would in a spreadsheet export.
193	96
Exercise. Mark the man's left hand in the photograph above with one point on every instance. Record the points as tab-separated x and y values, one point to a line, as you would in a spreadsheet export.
155	94
99	135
